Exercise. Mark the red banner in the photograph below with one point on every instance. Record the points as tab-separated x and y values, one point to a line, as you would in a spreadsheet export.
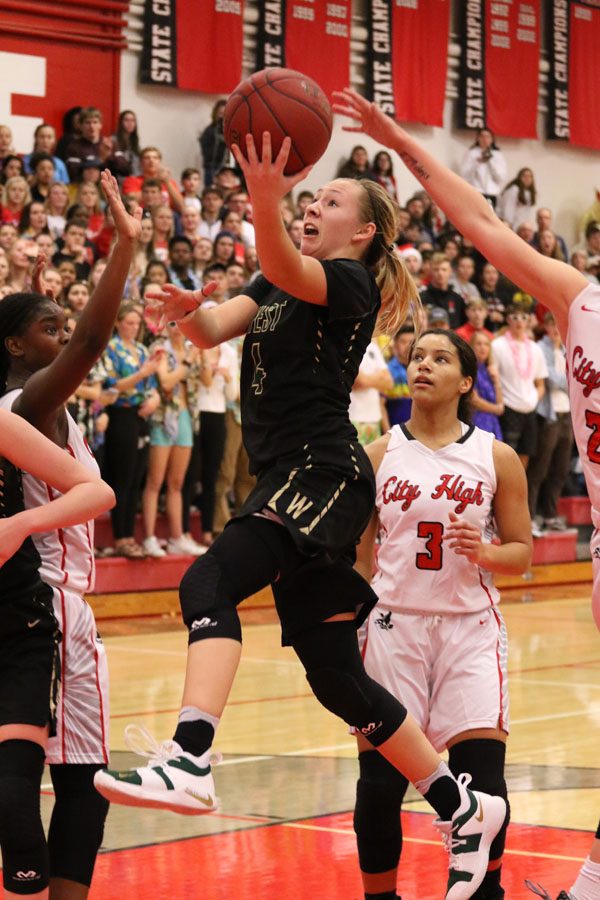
209	45
194	45
317	41
584	75
512	55
419	60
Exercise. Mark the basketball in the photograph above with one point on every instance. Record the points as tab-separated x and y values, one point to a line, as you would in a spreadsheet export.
284	103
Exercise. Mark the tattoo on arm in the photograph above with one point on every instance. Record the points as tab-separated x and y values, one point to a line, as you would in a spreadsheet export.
415	166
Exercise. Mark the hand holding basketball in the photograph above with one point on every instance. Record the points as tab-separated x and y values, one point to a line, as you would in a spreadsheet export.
285	103
265	178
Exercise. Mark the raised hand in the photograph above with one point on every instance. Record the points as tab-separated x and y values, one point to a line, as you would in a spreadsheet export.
171	304
264	177
128	227
369	117
37	276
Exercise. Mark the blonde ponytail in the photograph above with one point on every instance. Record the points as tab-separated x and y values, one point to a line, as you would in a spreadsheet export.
399	294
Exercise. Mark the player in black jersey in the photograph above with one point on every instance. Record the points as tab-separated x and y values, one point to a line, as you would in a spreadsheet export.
29	638
41	365
308	320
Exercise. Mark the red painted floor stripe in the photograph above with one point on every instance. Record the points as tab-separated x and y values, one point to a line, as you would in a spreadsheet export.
590	663
159	712
315	859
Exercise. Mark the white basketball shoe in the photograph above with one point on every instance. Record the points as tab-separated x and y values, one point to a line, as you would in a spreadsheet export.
468	838
172	779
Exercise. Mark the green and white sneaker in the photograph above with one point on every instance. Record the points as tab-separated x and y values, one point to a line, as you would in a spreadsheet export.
468	838
543	893
172	779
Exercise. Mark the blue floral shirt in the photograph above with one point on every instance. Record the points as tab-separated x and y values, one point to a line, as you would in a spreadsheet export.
120	362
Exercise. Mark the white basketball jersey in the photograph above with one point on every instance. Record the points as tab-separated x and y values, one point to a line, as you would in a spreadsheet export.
67	554
583	374
417	488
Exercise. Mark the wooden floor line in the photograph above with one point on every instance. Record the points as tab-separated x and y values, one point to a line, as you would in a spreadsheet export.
574	714
146	650
561	684
431	843
309	750
161	712
582	664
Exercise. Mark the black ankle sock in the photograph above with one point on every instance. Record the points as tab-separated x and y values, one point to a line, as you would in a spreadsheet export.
490	888
444	796
194	737
387	895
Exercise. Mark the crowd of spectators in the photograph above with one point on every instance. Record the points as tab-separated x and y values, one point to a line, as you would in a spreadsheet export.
163	417
521	391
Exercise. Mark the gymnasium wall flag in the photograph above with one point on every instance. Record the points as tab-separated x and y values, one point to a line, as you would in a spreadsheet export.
193	45
407	53
499	66
312	36
574	80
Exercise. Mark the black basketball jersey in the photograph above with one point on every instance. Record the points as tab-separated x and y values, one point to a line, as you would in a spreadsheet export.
19	576
300	361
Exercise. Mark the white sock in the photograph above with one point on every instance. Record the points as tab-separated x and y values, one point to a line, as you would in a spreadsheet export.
587	885
441	771
193	714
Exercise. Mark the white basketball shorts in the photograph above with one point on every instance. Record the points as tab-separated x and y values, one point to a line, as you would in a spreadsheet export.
449	671
82	710
595	551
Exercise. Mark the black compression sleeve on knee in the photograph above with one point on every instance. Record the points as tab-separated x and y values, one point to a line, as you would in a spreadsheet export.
336	673
77	824
483	759
379	793
246	557
22	839
208	603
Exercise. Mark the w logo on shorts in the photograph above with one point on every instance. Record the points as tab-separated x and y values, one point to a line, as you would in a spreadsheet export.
384	621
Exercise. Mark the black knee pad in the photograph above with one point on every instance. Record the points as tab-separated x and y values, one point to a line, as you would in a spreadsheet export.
208	600
336	674
22	839
247	556
77	824
379	794
483	759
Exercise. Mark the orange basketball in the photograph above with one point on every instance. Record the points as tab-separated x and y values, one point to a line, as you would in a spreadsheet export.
284	103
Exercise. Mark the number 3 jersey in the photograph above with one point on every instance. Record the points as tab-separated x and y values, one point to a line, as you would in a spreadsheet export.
417	489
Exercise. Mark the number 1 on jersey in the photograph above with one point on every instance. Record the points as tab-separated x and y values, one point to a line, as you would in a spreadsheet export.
432	532
259	373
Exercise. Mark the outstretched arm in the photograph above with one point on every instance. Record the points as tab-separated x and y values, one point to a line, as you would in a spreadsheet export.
557	283
204	327
85	495
47	390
